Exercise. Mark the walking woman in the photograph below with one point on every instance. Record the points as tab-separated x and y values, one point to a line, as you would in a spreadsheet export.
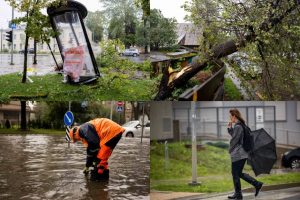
239	155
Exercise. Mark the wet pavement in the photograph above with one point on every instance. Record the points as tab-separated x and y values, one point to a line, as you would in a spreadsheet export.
44	167
279	194
45	64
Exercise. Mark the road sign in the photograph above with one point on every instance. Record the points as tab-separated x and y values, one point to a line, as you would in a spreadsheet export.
143	120
68	138
13	26
68	118
119	109
120	103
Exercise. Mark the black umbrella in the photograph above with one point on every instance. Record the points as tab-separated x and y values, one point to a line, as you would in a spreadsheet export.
263	156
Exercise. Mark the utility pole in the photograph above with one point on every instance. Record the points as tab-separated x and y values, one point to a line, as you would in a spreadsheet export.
12	43
194	141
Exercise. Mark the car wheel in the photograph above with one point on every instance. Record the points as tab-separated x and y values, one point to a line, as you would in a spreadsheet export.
135	55
129	134
295	163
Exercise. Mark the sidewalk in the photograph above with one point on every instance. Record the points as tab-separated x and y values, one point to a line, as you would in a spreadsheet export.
273	192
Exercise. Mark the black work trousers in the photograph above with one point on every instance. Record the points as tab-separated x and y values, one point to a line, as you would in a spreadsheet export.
237	173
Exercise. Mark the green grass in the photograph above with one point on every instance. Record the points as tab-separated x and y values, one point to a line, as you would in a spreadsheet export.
214	170
32	131
50	87
222	183
231	91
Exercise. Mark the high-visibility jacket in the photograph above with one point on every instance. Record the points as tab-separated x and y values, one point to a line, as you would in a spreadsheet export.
97	134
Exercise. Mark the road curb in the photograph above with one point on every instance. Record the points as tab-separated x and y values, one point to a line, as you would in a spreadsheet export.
264	188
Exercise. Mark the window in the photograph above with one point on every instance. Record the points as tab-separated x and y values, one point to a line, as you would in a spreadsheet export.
15	36
21	46
15	46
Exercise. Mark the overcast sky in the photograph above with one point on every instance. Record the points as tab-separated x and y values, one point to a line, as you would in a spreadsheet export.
170	8
5	10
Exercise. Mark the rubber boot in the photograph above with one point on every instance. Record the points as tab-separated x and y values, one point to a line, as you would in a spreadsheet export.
100	177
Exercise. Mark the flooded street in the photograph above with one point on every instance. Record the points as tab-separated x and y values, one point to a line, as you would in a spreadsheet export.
43	167
45	64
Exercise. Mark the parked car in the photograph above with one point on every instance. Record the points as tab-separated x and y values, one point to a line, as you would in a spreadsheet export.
30	51
291	159
134	129
130	52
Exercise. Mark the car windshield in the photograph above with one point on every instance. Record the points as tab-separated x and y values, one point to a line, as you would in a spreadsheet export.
130	124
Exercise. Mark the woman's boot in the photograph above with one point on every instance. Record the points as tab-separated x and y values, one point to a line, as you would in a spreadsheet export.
237	196
258	185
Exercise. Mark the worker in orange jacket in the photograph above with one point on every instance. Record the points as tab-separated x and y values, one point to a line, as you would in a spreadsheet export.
100	135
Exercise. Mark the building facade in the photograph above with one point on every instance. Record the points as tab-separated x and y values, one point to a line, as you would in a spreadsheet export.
19	40
12	113
280	119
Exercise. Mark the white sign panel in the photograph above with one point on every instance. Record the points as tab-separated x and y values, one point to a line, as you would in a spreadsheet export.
259	118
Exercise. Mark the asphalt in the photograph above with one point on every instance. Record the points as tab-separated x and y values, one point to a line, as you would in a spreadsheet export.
274	192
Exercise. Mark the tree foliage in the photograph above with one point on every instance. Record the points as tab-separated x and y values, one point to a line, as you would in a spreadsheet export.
50	114
266	31
116	69
162	31
142	35
122	16
275	51
95	22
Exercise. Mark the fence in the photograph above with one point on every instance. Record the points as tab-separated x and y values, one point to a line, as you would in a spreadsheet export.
212	123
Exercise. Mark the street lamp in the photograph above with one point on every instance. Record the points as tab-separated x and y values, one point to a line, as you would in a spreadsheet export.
75	48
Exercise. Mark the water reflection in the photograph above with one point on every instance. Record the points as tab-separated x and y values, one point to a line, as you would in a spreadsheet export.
43	167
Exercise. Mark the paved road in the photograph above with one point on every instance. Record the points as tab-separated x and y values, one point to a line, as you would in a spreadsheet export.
138	59
283	194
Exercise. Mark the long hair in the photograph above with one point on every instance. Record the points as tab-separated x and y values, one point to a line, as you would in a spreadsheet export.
235	112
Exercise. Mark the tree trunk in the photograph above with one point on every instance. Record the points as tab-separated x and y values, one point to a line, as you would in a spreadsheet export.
34	57
25	60
220	51
23	116
146	35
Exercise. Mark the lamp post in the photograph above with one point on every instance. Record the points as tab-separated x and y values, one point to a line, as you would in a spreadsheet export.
75	48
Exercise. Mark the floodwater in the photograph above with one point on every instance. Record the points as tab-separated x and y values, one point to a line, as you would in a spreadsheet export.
45	64
44	167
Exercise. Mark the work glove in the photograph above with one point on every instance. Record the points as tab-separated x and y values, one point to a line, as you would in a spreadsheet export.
101	168
86	170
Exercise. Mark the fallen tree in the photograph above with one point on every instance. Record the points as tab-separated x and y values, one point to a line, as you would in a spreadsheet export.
167	86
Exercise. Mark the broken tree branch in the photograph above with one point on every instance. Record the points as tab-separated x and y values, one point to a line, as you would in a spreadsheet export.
220	51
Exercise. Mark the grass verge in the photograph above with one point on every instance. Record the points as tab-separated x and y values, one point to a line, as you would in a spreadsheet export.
214	170
231	91
50	87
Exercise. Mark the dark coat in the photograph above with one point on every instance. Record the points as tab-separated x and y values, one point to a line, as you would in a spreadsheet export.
236	149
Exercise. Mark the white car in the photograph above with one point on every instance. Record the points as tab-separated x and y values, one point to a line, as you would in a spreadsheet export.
131	52
134	129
